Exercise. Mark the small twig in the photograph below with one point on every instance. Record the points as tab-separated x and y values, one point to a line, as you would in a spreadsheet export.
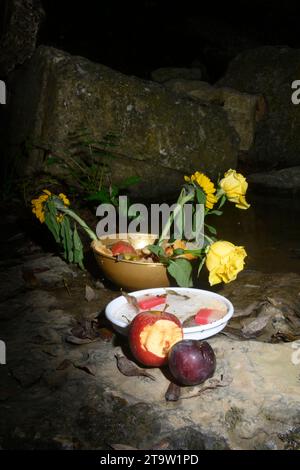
213	386
67	287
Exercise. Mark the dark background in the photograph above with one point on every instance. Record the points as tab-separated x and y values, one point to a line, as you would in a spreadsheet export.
138	36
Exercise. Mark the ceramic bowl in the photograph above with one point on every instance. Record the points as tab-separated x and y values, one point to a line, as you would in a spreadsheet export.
194	332
130	275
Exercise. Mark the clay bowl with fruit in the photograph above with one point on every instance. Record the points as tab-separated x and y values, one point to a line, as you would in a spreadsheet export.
122	261
201	313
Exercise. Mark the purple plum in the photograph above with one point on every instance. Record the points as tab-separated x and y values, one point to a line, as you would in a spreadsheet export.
191	362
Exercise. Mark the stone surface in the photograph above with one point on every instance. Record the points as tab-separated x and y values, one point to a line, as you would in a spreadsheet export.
270	71
168	73
57	94
286	179
21	24
244	110
57	395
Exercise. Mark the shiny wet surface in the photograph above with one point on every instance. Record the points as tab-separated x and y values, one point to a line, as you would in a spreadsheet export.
269	230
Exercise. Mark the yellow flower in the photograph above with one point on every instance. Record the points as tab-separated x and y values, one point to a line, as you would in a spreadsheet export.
206	185
235	187
38	205
224	261
64	199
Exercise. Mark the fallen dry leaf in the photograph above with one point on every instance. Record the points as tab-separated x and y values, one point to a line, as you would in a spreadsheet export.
131	300
122	447
245	312
75	340
105	334
233	333
173	292
190	321
99	285
255	327
173	392
29	278
284	336
64	364
90	294
130	369
85	328
161	445
86	367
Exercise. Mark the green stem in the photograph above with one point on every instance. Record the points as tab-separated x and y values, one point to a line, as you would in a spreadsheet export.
72	214
209	239
183	198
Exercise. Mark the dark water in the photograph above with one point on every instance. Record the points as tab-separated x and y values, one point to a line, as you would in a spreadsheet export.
269	230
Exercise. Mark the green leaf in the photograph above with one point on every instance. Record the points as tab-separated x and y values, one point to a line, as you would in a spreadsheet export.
222	202
99	196
181	270
201	265
53	226
52	160
113	191
211	229
201	198
50	205
157	250
78	248
215	212
209	240
131	180
63	240
68	239
178	251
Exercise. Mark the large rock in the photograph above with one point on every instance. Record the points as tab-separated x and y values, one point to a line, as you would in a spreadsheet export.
164	74
286	179
270	71
21	24
244	110
161	136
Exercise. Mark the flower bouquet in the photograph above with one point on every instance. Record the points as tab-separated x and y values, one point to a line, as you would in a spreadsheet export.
199	198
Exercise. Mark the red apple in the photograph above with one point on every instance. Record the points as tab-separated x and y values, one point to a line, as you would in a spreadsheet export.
122	247
152	334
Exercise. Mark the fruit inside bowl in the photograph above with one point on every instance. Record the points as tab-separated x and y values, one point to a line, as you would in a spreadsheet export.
123	262
201	313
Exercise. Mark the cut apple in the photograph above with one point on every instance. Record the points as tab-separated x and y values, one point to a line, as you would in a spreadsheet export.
152	334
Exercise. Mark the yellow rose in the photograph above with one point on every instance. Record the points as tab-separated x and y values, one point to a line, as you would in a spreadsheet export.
235	187
224	261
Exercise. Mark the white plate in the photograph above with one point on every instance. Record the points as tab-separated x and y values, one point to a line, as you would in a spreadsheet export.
193	332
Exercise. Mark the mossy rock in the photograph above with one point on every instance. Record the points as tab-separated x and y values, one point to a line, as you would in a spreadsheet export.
270	71
161	136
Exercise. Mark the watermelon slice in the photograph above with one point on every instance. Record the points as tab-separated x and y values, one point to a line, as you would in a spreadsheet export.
208	315
150	302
